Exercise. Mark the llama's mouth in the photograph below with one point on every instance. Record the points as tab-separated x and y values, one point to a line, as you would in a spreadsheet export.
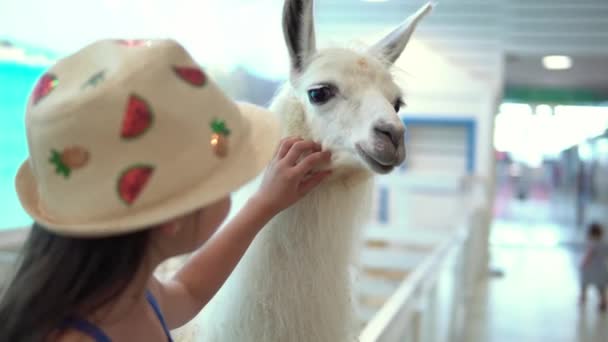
375	165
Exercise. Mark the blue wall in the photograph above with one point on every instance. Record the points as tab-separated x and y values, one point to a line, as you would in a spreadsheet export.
16	82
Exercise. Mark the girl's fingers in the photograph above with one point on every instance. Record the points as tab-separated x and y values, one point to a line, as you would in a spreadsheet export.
285	145
312	161
299	148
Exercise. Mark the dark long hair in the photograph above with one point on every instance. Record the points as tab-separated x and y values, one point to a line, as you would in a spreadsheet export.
57	275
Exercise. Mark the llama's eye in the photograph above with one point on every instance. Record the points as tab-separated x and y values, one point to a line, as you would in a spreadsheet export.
397	105
321	94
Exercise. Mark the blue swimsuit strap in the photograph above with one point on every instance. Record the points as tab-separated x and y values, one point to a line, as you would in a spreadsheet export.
156	308
99	336
87	328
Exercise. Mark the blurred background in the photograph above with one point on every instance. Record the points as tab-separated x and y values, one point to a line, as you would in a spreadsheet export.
479	236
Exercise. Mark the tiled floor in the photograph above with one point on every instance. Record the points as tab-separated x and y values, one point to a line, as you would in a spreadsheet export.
535	299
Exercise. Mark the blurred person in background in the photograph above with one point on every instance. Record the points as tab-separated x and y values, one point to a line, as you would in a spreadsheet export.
594	266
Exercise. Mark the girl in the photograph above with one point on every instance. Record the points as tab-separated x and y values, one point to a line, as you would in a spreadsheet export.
594	267
133	155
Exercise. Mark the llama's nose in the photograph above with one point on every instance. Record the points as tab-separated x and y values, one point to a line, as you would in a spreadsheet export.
394	133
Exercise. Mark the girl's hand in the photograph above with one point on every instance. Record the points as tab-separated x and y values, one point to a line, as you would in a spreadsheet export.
291	174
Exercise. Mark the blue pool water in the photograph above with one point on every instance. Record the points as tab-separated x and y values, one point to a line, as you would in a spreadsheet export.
16	82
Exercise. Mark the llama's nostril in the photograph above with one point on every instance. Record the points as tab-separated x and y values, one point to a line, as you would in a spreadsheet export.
383	132
393	134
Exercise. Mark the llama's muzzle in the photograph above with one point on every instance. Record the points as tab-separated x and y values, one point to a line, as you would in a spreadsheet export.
387	147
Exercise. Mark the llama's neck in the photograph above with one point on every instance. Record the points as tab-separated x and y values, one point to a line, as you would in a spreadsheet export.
298	270
323	227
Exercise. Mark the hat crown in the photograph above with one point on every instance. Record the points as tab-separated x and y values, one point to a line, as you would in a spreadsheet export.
122	125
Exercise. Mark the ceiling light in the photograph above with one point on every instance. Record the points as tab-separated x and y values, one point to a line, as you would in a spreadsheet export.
557	62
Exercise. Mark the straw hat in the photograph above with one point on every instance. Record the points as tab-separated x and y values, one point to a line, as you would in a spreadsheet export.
123	135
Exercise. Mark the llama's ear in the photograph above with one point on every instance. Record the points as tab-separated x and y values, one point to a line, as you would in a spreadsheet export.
299	32
391	46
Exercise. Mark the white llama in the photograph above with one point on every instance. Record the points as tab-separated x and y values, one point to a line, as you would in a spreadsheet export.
293	284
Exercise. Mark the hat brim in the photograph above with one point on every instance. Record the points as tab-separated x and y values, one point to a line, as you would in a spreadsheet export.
244	163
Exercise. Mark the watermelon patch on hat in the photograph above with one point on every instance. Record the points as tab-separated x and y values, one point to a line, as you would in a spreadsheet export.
45	86
132	182
191	75
137	118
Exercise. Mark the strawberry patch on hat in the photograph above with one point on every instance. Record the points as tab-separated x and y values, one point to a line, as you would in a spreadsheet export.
132	181
137	118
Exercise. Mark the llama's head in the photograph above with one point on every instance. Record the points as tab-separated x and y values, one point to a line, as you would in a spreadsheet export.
349	98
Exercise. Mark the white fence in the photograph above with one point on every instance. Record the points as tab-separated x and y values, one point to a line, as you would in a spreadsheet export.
430	303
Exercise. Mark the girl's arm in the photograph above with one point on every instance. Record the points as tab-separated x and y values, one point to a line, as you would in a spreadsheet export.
285	182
